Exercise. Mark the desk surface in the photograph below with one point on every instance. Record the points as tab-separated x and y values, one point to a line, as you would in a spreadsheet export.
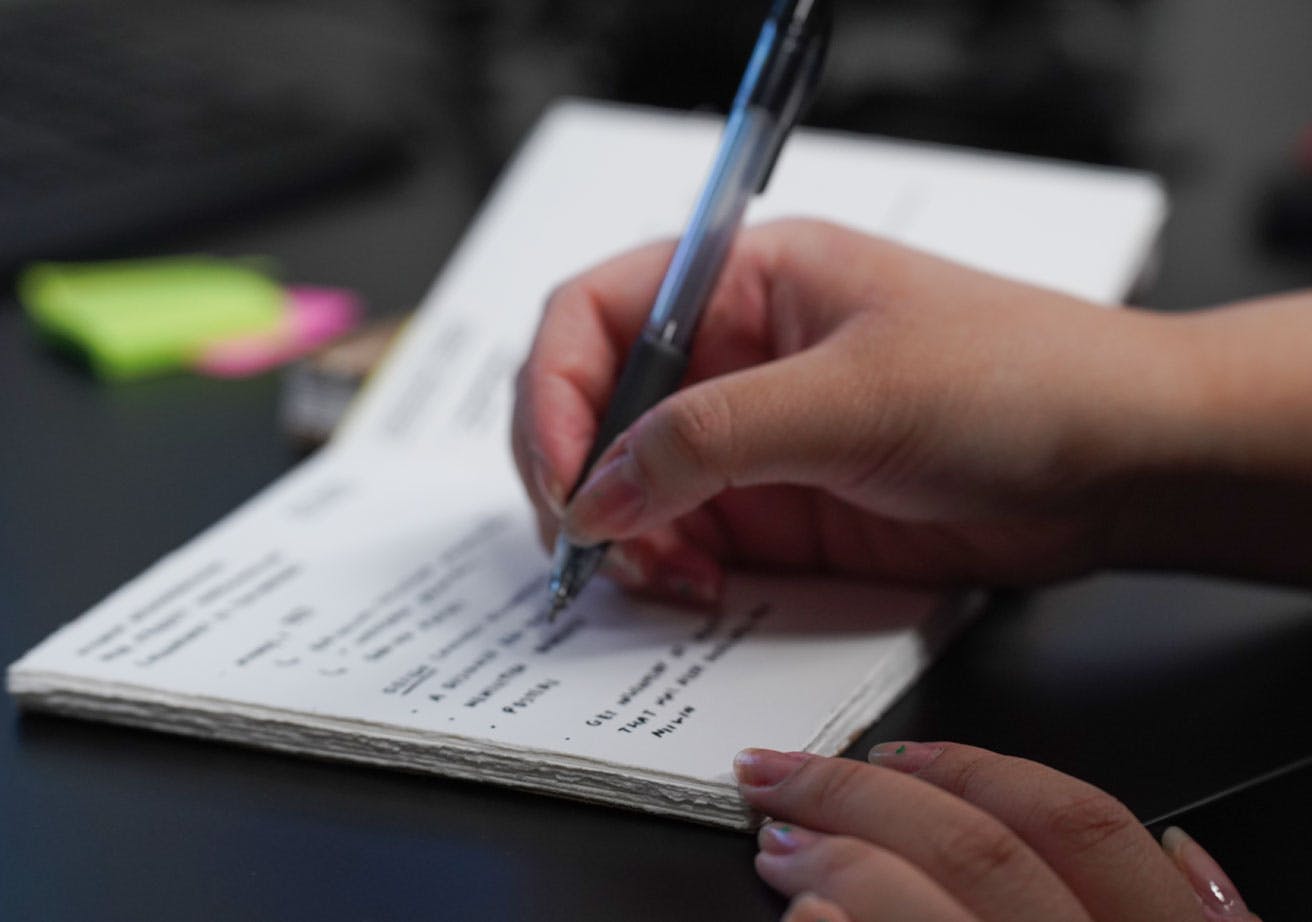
1161	689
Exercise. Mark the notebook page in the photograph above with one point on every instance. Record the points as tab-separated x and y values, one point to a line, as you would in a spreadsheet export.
373	602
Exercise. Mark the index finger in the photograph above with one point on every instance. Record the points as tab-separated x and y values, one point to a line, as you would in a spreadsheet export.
585	332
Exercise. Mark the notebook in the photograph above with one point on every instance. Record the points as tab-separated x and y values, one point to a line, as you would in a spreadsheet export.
384	602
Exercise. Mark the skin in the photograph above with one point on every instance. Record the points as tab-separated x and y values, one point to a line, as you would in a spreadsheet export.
853	406
856	407
951	832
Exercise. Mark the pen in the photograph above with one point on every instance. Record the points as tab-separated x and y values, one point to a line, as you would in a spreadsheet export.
780	79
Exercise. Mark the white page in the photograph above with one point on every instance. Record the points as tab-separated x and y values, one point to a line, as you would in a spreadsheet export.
372	600
326	614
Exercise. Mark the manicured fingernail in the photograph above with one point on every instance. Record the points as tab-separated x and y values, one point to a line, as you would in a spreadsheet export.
1213	887
764	768
904	756
611	499
782	839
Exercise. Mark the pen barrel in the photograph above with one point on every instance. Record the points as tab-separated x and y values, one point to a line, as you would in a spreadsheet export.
651	373
748	142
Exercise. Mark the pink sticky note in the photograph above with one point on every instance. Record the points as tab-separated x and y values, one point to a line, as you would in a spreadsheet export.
314	316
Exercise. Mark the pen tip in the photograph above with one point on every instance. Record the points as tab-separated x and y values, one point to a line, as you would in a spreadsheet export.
559	599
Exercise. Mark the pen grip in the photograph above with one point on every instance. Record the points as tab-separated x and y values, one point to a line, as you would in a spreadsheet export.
651	373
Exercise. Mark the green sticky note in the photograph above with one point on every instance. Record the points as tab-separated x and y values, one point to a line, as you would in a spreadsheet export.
136	318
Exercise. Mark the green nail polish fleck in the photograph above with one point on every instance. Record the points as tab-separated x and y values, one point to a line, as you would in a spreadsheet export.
899	750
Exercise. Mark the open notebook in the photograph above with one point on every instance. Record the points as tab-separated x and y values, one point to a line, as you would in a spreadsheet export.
384	602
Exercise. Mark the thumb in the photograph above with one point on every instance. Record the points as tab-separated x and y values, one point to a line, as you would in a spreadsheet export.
786	421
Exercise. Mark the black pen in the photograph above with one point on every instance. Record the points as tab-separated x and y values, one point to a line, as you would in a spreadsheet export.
780	79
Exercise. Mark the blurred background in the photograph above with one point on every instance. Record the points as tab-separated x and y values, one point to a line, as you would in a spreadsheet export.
143	126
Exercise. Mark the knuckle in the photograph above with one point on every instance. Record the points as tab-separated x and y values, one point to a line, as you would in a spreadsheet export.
965	776
563	302
697	430
838	789
1086	822
561	294
975	850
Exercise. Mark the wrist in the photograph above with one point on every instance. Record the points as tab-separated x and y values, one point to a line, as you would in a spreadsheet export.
1218	475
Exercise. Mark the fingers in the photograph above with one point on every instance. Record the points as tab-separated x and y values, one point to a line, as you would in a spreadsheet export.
889	841
810	908
585	334
866	881
777	295
775	396
566	379
970	855
664	565
794	420
1090	839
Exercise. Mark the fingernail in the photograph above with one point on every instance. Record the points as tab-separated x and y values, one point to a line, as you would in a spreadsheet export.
764	768
608	501
629	570
1214	888
782	839
548	487
904	756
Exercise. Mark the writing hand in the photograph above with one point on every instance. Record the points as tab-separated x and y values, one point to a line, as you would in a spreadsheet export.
851	406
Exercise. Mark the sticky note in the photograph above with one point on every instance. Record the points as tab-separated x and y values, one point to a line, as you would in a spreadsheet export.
136	318
314	317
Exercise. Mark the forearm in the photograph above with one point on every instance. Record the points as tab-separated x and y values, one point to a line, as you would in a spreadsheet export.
1228	489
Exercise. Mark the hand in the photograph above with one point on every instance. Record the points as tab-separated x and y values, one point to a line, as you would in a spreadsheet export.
948	832
851	406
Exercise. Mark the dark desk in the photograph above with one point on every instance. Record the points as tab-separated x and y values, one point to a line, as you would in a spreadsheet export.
1161	689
